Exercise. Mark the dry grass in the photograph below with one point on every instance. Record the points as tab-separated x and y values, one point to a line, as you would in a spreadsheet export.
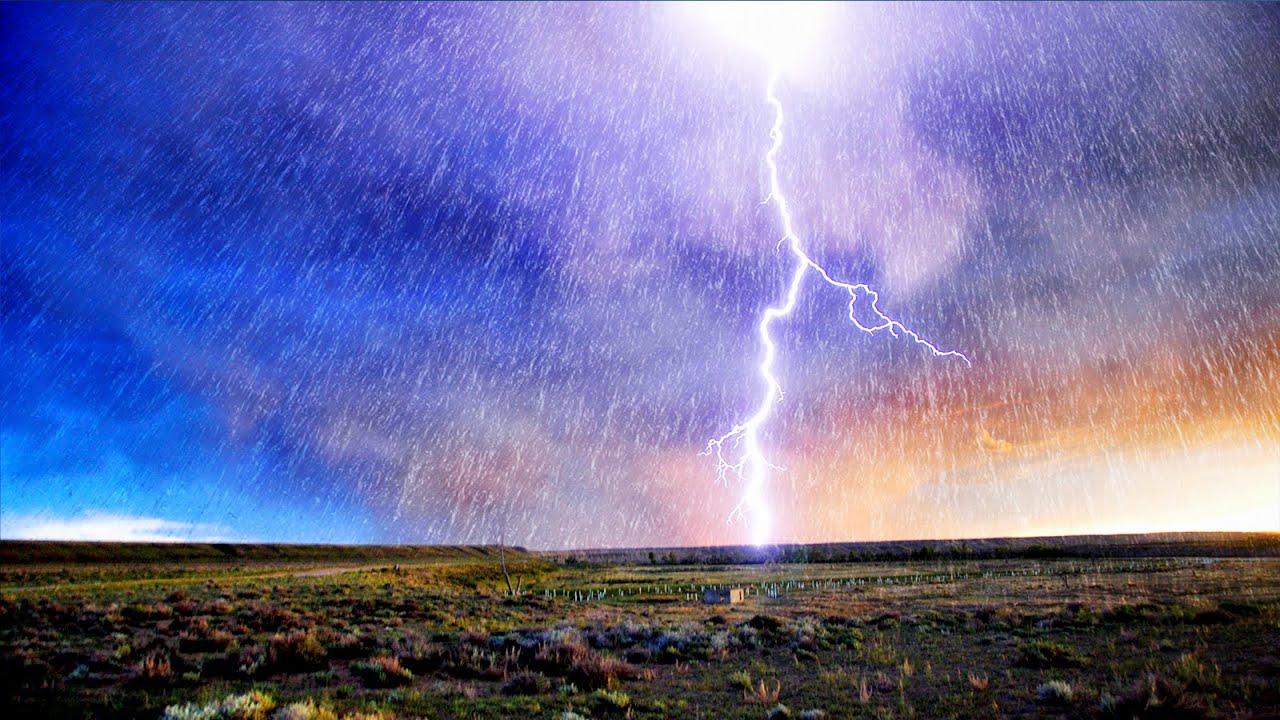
979	682
761	694
599	671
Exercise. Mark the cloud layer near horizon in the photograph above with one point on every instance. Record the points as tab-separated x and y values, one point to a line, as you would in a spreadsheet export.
109	528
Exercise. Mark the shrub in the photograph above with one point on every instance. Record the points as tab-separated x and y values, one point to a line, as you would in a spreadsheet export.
269	616
344	646
1190	671
560	651
778	712
524	683
304	711
628	632
597	671
205	641
249	706
252	660
639	655
812	714
382	671
670	655
1129	614
681	639
765	623
1045	654
417	654
611	699
846	636
143	612
297	651
219	606
1055	692
888	618
718	644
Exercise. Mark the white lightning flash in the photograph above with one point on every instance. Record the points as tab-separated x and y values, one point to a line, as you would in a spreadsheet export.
780	32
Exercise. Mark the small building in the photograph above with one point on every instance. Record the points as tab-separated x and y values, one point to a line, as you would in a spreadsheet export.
723	596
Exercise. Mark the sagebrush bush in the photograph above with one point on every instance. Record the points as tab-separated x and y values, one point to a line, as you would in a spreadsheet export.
778	712
1055	692
304	711
524	683
143	612
219	606
765	623
1045	654
270	616
296	651
251	661
611	699
418	654
597	671
638	655
248	706
205	640
560	652
382	671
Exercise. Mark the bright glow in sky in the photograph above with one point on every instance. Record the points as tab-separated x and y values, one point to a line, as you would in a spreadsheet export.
784	34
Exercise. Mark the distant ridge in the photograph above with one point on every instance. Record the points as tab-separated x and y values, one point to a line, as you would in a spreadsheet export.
1190	544
34	552
1203	544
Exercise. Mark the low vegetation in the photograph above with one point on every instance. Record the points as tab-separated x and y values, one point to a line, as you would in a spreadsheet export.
448	638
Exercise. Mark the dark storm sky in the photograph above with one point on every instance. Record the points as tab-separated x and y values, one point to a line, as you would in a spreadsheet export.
446	273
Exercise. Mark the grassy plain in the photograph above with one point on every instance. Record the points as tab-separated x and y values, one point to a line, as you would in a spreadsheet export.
437	636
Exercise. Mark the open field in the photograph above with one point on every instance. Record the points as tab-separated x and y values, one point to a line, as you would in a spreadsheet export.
433	634
42	565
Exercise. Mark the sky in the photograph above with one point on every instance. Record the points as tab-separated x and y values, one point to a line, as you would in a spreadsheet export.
476	273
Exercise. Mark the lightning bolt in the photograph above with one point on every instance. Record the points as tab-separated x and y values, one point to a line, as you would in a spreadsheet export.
739	452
